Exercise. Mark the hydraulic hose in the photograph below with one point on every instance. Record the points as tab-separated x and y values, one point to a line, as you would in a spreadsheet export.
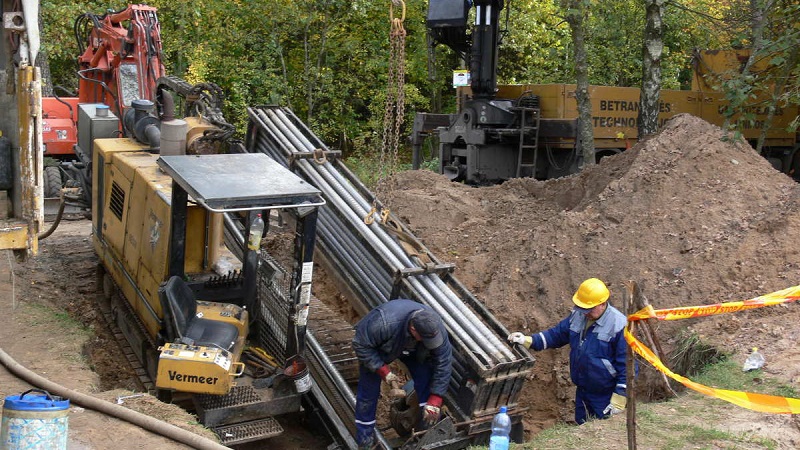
56	222
120	412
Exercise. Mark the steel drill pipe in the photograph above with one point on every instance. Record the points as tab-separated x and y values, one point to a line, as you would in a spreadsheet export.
318	179
362	263
356	272
290	137
337	233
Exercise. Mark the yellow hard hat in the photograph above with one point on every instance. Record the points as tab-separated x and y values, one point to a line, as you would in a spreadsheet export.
590	293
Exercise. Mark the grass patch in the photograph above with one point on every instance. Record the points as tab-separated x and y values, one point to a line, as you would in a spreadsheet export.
672	425
728	374
691	421
43	315
692	354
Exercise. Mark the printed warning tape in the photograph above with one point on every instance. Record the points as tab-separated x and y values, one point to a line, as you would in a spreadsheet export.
688	312
750	400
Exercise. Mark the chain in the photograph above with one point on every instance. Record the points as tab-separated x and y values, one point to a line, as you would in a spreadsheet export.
395	104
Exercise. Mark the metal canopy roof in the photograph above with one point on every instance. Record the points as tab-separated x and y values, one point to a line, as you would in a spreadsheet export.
239	182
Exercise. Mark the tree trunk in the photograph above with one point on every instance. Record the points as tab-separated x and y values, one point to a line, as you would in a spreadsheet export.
757	18
777	93
651	68
576	13
44	67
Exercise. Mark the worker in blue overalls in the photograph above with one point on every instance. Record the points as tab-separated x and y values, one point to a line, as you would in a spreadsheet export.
414	334
598	350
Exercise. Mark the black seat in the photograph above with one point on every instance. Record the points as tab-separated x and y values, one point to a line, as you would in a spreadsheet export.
183	325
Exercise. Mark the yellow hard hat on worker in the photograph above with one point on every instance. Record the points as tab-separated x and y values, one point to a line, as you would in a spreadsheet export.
591	293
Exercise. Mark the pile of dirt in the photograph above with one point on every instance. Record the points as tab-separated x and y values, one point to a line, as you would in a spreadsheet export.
692	217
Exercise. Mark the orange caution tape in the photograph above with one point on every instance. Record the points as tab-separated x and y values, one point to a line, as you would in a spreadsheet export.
750	400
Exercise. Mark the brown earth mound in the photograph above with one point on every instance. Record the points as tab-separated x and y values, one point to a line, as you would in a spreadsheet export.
693	218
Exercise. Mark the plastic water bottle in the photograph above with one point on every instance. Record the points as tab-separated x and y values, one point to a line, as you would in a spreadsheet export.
256	231
754	361
501	429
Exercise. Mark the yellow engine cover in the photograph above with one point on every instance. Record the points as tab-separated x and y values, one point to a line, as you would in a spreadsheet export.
201	370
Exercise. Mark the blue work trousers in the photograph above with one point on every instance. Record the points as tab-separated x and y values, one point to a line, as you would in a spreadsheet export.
369	390
590	405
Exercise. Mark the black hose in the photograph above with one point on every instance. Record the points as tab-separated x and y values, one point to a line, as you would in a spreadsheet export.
54	225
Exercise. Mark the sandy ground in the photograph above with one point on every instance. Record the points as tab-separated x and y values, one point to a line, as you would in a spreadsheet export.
692	218
38	334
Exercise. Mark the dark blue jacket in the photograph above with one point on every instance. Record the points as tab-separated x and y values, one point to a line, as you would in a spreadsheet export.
382	336
596	356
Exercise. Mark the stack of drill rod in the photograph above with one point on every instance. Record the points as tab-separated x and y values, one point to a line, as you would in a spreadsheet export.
369	259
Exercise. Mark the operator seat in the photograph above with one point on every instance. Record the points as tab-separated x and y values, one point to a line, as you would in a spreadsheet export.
182	323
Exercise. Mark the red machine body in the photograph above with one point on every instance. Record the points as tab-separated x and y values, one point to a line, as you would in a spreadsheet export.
59	130
122	58
120	61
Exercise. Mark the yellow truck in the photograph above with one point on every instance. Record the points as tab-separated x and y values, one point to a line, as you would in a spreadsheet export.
537	134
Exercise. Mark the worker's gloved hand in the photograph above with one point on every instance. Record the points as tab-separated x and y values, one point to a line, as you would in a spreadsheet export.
432	410
521	339
391	378
388	376
617	405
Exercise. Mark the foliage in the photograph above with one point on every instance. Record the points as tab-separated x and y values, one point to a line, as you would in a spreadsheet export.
769	30
536	47
59	43
327	59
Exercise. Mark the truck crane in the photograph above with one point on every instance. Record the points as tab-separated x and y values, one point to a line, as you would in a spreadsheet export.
490	139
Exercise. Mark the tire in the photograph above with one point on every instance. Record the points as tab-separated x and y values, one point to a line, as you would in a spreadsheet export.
52	182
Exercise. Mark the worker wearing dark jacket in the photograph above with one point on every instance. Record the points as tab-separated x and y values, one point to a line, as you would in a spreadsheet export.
598	350
414	334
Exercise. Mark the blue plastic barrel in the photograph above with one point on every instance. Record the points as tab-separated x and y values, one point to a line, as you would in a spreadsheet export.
34	420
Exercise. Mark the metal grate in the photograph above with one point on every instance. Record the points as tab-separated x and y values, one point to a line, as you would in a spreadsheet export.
238	395
117	202
272	315
248	431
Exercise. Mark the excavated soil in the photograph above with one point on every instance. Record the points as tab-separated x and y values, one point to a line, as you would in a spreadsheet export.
692	218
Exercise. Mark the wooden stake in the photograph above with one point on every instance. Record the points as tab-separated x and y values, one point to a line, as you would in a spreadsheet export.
650	337
628	307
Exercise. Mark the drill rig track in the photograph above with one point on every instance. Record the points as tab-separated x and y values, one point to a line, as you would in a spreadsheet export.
117	314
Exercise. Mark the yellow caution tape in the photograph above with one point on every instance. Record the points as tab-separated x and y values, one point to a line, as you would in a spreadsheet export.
688	312
750	400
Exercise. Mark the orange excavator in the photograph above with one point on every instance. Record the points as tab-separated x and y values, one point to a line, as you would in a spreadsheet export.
120	61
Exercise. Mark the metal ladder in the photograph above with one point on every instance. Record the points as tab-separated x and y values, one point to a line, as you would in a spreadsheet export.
528	140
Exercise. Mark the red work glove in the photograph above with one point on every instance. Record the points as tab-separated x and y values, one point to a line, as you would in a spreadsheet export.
432	410
386	373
